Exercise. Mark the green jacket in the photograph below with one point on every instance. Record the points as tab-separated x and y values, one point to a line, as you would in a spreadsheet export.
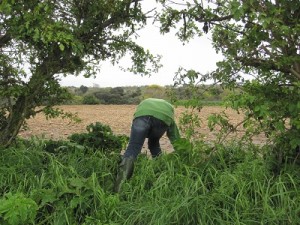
160	109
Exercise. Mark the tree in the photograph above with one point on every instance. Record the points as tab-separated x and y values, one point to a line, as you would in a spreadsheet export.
119	91
83	89
90	100
258	39
42	40
154	91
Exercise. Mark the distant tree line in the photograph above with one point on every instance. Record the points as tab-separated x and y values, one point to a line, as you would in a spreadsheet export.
134	94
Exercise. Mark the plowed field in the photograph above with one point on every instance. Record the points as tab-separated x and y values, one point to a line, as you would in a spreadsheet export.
118	117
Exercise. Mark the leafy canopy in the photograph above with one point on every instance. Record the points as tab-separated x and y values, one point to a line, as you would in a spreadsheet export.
42	40
260	44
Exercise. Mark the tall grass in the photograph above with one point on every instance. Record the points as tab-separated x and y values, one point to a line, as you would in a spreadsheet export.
247	194
73	185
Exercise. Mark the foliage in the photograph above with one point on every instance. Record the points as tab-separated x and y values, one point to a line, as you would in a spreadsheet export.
154	91
43	40
17	209
211	95
232	185
260	44
99	137
118	95
201	183
90	100
83	89
66	184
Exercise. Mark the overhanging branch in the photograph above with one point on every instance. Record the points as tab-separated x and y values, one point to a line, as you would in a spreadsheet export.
262	63
213	19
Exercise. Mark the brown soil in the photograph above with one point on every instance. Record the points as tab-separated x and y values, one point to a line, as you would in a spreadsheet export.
119	118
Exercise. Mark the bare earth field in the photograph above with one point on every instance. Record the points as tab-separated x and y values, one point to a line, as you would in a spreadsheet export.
118	117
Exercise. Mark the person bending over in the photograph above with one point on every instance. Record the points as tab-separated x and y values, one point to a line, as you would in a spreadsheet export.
153	117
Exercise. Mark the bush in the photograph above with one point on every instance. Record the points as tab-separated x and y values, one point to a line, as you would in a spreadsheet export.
77	100
99	136
90	100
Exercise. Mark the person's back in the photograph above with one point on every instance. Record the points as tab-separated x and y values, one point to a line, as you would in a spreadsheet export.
158	108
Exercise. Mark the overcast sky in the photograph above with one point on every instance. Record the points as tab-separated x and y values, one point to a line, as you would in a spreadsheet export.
198	54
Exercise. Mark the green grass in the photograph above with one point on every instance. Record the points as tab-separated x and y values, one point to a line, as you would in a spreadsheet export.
73	185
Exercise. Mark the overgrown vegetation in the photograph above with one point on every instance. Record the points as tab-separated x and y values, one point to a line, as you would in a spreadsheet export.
73	185
208	94
99	137
70	182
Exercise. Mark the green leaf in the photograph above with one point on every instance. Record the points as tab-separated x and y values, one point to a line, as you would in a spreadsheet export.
17	209
61	47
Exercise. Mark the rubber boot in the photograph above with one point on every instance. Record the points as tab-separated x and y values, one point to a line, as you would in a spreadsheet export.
124	173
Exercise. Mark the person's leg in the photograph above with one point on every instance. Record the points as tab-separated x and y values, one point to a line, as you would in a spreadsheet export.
125	171
158	128
154	147
139	131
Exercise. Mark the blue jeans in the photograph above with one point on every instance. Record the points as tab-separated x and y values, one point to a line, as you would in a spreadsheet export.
145	127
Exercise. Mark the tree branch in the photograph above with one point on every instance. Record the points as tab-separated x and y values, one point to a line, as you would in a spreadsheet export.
214	19
258	63
294	72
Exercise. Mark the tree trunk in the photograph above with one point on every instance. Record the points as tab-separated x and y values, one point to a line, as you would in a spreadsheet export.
14	123
24	106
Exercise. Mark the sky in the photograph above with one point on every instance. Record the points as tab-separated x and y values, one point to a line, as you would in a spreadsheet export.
198	54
